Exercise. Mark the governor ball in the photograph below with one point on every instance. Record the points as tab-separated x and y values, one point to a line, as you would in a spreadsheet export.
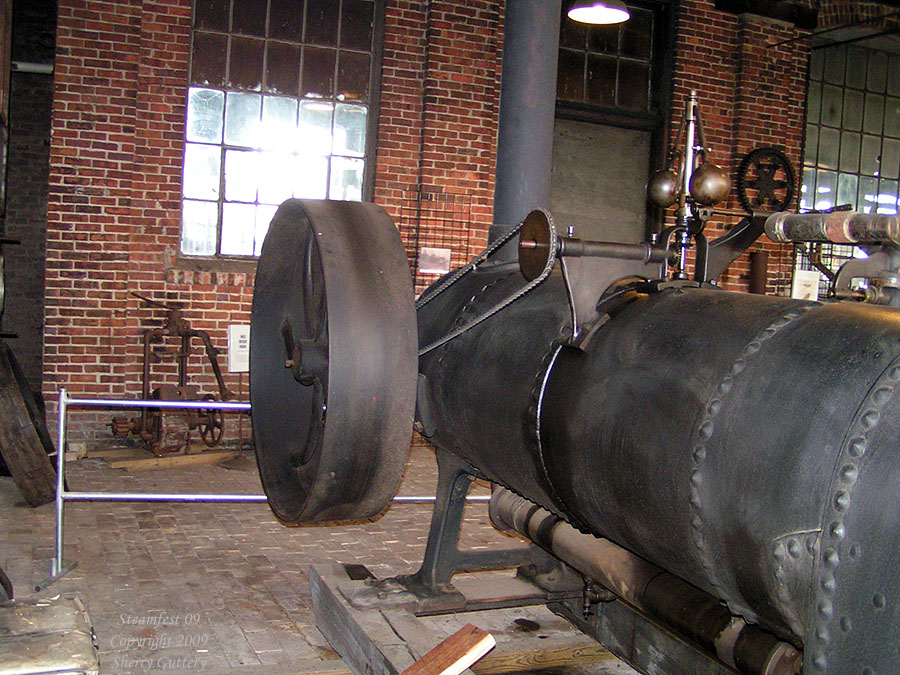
709	184
662	188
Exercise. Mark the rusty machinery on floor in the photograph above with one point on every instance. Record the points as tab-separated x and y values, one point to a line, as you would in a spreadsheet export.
152	426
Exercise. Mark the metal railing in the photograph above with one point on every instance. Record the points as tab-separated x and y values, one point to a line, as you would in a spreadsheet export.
58	567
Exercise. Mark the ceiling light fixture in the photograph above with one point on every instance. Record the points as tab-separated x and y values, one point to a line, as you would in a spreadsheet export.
598	11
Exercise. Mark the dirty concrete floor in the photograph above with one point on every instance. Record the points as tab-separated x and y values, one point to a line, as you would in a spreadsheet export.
218	588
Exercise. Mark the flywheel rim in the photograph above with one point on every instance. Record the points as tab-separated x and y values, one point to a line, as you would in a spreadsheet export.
333	361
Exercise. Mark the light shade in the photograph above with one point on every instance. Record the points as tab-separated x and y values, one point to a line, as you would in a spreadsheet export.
599	11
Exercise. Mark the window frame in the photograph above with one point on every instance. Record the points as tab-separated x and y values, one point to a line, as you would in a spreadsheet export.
247	263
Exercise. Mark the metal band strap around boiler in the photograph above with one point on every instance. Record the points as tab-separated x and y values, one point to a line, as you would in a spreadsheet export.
473	264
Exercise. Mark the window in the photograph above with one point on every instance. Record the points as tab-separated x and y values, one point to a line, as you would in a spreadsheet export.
617	67
279	106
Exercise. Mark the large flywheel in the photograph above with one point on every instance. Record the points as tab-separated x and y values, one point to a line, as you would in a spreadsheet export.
332	361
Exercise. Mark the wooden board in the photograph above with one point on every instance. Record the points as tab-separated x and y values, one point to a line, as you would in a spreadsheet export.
20	444
138	459
389	639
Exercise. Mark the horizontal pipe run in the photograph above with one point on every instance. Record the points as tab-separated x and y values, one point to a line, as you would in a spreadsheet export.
606	249
690	611
74	496
839	227
152	403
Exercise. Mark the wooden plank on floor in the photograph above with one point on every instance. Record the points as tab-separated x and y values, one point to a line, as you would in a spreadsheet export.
21	446
151	462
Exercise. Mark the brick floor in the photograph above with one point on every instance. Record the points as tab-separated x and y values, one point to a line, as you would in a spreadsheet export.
212	587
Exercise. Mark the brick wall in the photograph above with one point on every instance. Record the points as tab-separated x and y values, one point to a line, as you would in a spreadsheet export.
115	174
752	94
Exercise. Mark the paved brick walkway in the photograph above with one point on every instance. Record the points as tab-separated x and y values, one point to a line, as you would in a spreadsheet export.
211	587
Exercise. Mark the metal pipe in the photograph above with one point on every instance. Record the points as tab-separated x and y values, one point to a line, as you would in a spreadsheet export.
527	114
644	252
31	67
56	566
152	403
839	227
692	612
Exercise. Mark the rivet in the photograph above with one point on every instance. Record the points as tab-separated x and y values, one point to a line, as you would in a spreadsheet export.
714	406
769	332
783	594
849	473
819	662
894	373
696	478
855	550
781	575
778	323
842	500
846	624
697	522
778	551
870	419
794	548
695	499
832	559
836	529
828	585
706	430
725	386
882	395
737	367
858	447
878	601
823	635
825	609
700	453
753	347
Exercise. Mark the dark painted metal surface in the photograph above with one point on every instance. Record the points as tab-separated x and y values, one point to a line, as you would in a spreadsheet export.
332	361
727	438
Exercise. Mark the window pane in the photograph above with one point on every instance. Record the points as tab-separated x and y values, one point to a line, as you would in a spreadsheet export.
826	188
286	20
279	123
835	58
204	115
238	229
601	80
846	192
346	179
276	177
813	102
242	119
878	63
208	59
831	106
211	15
315	127
808	189
241	175
198	227
856	67
872	121
603	39
311	179
349	130
318	72
853	109
283	68
633	79
322	22
356	24
811	145
637	34
893	83
201	171
828	148
890	158
248	17
892	117
817	64
869	159
246	63
353	76
570	77
849	152
572	33
887	198
868	194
